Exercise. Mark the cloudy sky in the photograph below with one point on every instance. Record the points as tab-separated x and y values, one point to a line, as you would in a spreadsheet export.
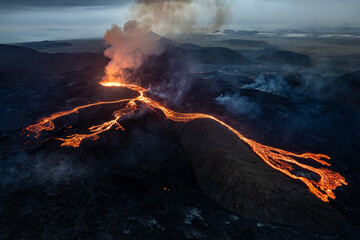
34	20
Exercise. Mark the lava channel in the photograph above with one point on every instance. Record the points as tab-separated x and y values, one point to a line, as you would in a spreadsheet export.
280	160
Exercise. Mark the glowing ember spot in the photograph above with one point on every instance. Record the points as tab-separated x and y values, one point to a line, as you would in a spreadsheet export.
280	160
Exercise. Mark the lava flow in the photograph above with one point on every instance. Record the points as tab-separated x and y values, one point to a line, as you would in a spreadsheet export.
278	159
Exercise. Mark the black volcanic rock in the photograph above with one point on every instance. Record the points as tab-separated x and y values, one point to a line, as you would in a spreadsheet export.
46	44
230	173
286	57
348	88
189	46
352	79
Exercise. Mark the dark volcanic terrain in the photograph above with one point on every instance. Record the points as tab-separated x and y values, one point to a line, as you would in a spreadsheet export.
231	173
164	180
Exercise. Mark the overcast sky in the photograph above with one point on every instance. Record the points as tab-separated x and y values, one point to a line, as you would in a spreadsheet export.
34	20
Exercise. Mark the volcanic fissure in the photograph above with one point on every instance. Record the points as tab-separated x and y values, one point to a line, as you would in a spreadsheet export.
280	160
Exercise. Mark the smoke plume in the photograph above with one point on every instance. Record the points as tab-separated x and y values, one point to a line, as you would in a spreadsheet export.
164	15
131	45
128	49
275	84
178	16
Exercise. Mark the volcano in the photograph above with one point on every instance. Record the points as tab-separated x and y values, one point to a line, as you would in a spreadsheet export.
111	128
280	160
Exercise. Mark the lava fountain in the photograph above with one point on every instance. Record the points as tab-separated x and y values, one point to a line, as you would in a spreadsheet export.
280	160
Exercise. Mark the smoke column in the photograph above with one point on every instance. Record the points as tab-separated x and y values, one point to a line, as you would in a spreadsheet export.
130	45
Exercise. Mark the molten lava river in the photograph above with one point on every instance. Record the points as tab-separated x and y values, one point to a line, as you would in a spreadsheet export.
281	160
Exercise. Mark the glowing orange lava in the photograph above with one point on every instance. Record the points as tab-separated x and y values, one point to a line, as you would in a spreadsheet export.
278	159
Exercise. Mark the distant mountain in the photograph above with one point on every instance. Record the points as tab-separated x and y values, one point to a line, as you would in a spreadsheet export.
163	41
240	32
355	42
286	57
10	52
189	46
46	44
153	35
229	31
222	56
329	30
207	55
68	46
166	42
24	58
175	62
18	64
246	43
14	57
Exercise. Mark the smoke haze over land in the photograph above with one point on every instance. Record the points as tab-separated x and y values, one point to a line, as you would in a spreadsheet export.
22	21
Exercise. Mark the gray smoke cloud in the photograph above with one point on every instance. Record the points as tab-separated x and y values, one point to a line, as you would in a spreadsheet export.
178	16
130	45
239	105
276	85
